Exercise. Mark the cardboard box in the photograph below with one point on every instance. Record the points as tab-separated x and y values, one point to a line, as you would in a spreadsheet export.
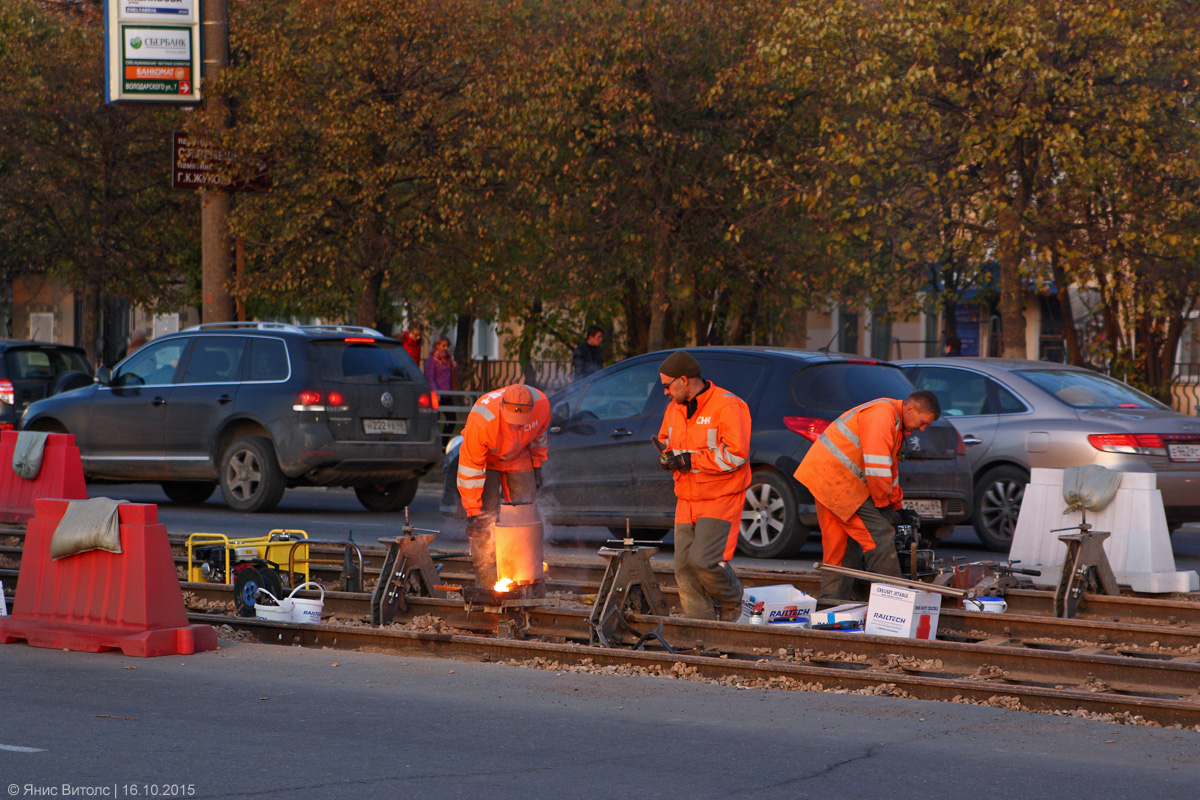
907	613
850	612
782	606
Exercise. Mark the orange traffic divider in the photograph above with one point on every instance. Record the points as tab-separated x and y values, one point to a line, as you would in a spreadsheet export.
98	600
61	475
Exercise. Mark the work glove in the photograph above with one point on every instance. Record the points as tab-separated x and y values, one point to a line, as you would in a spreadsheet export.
537	477
664	458
680	462
478	525
909	517
890	514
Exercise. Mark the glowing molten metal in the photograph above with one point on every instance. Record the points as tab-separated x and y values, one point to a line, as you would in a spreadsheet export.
503	585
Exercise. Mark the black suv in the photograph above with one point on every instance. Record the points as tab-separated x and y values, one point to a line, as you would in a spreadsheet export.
32	370
256	408
602	469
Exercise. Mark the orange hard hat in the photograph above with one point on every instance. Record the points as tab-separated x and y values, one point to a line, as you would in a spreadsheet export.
517	406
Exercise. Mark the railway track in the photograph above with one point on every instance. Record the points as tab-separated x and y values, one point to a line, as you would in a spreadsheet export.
582	575
1131	658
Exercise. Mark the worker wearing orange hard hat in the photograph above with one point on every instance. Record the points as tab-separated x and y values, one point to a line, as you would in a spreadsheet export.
705	441
501	456
852	471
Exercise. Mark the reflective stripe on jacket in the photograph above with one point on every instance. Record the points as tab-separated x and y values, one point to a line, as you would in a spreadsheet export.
717	436
490	443
857	458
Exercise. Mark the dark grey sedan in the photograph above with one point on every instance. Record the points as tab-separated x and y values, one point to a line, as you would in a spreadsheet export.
603	469
1015	415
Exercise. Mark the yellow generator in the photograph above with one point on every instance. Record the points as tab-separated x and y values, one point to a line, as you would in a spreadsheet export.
273	562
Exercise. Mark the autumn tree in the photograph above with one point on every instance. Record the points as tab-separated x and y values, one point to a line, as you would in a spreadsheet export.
958	124
356	106
86	194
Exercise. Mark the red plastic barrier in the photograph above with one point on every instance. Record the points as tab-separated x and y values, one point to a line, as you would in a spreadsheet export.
61	476
97	600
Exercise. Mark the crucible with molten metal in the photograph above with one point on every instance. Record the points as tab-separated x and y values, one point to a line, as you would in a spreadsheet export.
519	546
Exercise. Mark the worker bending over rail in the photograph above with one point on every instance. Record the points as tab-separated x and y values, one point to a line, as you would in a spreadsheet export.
501	455
852	472
705	441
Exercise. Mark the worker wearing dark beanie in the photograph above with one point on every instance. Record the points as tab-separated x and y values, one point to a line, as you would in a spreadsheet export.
705	442
680	364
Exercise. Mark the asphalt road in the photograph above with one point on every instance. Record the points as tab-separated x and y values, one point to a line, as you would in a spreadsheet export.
336	514
262	721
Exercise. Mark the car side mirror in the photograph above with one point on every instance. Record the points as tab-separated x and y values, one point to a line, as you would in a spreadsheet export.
104	375
559	415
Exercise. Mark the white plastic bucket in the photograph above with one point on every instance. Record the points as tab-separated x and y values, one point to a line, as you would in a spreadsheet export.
990	605
307	612
282	612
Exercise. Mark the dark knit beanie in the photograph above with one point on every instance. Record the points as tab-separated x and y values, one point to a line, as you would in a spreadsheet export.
680	363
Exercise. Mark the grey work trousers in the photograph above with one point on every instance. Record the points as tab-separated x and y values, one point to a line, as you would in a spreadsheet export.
701	573
882	560
522	489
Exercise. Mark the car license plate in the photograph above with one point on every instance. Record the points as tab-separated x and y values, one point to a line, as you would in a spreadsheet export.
926	509
385	426
1184	452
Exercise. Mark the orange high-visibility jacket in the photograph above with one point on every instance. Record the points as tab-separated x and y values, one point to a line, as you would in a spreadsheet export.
491	443
855	458
717	436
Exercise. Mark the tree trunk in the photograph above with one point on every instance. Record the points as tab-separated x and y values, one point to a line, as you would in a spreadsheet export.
6	303
1070	337
636	320
658	291
88	334
368	299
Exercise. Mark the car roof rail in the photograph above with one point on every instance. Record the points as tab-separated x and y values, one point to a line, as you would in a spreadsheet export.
234	325
360	329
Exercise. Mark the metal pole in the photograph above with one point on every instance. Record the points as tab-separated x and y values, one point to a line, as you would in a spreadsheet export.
888	579
216	257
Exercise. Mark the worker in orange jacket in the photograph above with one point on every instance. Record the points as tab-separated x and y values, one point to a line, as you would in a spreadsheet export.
852	472
501	455
705	441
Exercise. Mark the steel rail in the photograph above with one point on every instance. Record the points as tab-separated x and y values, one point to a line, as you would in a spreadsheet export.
1011	660
766	673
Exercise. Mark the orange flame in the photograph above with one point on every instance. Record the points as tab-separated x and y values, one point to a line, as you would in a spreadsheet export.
503	585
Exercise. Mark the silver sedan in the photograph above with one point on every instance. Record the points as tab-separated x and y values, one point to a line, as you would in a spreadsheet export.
1015	415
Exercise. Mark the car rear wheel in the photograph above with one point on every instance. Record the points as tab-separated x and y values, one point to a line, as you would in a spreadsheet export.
250	476
188	492
770	522
998	498
387	496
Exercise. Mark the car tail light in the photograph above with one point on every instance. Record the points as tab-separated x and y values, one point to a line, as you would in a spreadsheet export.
7	426
336	399
6	392
961	448
308	400
808	427
359	340
429	400
1141	444
861	361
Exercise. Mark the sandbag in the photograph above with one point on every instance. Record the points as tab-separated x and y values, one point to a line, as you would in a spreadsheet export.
1091	487
87	525
27	454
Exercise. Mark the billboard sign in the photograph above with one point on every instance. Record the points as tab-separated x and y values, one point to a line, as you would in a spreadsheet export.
149	58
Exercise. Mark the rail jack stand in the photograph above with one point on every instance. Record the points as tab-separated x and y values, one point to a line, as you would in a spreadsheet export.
1085	569
628	581
408	569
